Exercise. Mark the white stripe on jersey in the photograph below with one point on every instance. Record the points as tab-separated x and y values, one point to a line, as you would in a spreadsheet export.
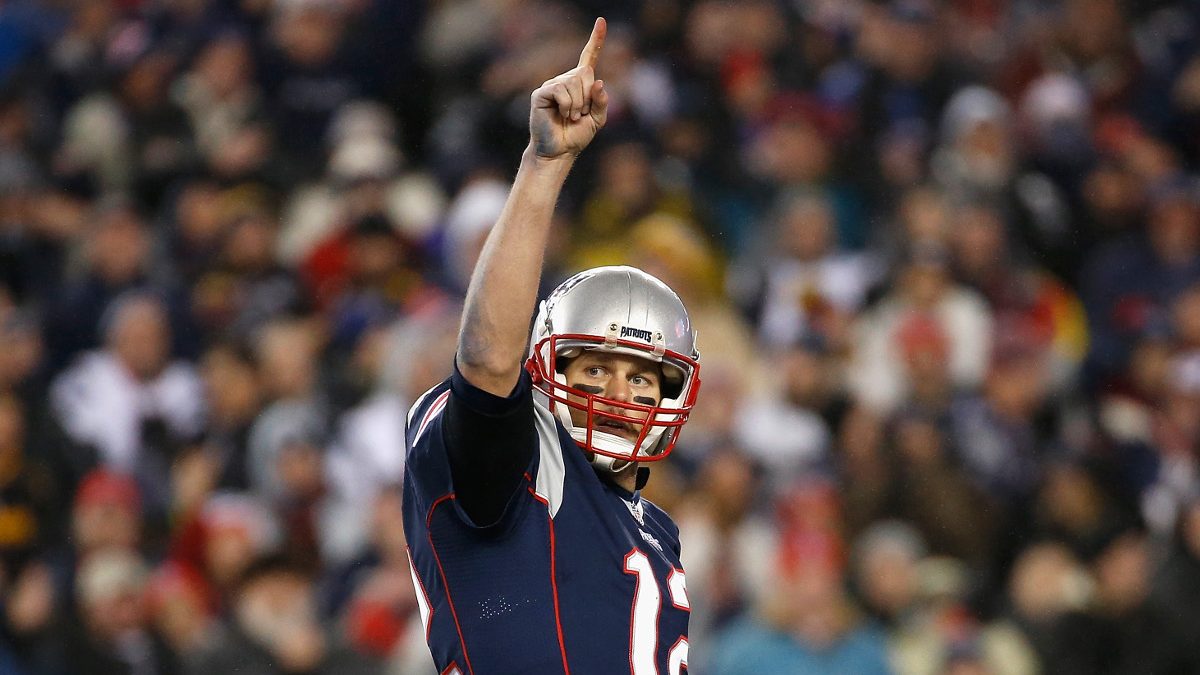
422	598
552	470
434	410
420	399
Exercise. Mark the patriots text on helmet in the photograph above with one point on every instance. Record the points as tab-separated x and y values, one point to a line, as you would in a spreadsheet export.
636	333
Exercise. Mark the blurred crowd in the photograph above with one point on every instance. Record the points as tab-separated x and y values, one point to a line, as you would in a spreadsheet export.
943	256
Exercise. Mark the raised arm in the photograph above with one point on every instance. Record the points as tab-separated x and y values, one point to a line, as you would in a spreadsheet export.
564	115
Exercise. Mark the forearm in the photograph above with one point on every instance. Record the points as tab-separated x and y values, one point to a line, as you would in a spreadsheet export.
494	335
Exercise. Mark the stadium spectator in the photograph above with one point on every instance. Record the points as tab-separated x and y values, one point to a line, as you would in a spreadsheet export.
276	629
963	262
924	288
1123	632
801	282
179	612
808	626
129	407
107	514
111	633
1176	585
729	541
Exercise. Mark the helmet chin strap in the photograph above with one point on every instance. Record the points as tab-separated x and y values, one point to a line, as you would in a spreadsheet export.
602	440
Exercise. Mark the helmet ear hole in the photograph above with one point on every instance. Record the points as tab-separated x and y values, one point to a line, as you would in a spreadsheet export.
565	357
673	378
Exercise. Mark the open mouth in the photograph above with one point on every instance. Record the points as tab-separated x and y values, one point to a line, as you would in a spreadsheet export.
616	427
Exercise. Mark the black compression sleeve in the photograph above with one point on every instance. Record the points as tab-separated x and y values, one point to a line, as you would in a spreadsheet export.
490	441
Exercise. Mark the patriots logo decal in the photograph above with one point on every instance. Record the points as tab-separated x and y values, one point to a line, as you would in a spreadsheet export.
637	333
635	510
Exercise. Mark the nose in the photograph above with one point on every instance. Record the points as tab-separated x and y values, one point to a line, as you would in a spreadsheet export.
618	390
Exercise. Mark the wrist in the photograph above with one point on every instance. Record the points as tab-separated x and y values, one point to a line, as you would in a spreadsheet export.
550	165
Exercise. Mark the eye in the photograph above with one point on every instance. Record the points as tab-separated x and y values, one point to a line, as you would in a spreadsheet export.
641	381
594	371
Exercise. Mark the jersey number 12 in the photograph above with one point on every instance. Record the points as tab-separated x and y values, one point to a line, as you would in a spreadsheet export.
647	603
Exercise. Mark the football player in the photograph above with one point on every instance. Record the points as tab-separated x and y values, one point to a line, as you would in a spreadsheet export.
531	548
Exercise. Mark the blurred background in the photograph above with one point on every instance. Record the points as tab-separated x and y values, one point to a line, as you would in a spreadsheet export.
943	256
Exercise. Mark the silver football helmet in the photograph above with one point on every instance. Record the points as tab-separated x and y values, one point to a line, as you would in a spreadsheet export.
621	310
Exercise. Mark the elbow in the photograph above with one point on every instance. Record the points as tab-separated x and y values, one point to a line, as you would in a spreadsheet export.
479	360
476	369
495	378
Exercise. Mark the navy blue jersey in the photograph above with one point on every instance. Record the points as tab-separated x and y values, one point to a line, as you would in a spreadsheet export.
576	575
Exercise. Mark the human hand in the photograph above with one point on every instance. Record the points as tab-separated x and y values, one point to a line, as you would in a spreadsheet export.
300	648
566	111
193	478
32	601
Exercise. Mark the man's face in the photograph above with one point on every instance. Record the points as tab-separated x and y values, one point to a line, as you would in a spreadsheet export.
141	339
620	377
278	611
105	524
112	617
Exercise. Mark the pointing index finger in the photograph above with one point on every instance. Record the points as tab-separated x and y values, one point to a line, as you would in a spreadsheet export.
591	51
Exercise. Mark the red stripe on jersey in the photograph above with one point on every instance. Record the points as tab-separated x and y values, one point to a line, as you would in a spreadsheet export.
452	669
562	647
442	572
